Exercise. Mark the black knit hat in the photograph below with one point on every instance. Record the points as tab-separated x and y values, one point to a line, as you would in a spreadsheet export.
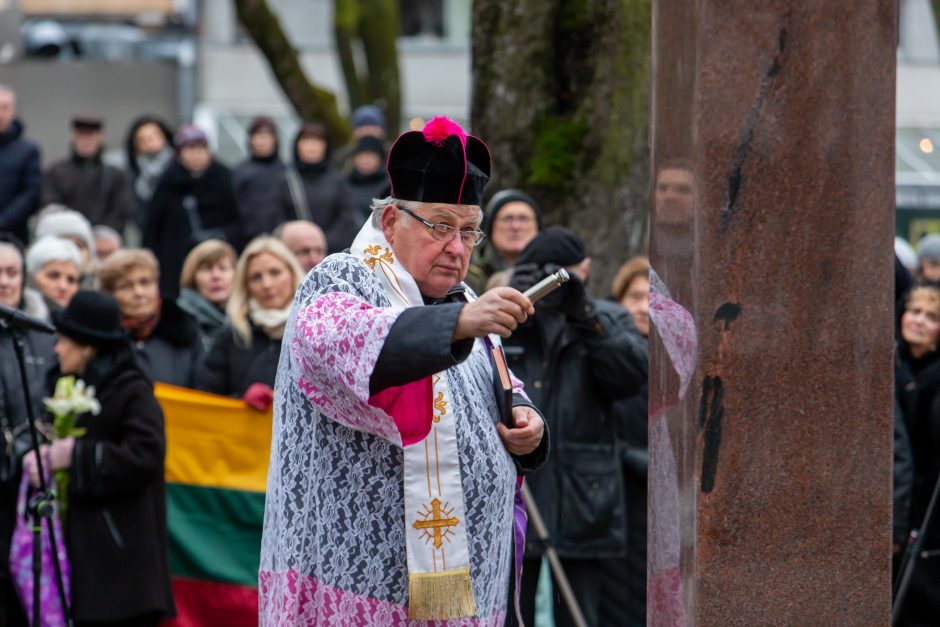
555	244
91	318
439	164
502	198
368	143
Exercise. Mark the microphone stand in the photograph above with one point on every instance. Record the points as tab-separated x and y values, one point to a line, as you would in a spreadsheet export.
41	505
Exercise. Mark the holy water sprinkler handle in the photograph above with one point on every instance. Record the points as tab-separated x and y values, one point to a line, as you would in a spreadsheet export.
547	285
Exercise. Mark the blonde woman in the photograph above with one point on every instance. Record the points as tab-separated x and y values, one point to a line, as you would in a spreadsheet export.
206	285
243	358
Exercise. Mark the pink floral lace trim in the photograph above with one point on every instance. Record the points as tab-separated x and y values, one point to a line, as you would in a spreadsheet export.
290	598
336	344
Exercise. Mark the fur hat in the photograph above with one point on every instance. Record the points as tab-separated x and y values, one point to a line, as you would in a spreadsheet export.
64	222
49	249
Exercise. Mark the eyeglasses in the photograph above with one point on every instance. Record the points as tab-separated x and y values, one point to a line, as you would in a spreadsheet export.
521	219
445	232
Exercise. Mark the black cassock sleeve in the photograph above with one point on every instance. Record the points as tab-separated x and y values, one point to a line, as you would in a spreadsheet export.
419	345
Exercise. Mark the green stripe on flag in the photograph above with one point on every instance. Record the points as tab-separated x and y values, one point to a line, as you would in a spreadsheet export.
215	534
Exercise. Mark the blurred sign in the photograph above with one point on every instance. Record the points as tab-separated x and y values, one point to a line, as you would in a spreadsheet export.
93	7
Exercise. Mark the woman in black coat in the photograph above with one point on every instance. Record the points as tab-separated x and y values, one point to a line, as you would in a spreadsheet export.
194	201
917	382
115	531
13	410
165	338
312	190
243	358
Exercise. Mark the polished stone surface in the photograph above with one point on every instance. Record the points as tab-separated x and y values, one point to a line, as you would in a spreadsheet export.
770	401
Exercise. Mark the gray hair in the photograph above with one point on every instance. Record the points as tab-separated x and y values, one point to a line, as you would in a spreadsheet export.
49	249
103	231
379	204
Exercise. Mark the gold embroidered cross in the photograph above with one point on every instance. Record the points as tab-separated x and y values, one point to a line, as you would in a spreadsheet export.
434	525
440	405
374	256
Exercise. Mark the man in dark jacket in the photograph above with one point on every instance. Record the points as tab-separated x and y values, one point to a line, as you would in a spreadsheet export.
20	174
258	180
102	193
576	356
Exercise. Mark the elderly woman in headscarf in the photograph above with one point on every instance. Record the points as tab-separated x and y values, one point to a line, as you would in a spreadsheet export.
58	221
206	285
244	356
53	265
165	338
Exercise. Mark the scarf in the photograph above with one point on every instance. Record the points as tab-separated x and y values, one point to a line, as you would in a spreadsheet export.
271	321
139	329
151	167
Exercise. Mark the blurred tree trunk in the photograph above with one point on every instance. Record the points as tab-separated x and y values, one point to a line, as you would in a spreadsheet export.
372	27
561	96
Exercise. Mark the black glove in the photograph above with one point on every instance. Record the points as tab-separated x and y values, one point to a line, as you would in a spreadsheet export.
525	276
578	309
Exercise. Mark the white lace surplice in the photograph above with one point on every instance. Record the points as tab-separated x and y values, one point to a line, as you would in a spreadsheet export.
333	550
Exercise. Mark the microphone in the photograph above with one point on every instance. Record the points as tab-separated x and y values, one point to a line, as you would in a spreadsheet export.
18	320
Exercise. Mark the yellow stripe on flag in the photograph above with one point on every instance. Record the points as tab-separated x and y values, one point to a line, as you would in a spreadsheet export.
214	441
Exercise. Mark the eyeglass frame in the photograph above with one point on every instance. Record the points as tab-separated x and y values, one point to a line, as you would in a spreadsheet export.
454	232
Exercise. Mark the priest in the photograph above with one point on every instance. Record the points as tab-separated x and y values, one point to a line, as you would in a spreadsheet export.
400	437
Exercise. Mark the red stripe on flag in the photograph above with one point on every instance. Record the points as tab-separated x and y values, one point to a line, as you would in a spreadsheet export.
209	604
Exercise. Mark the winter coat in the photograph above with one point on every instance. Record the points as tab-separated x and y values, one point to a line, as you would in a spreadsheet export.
185	211
328	201
230	368
170	353
100	192
364	188
14	431
257	189
917	384
116	529
574	376
20	181
209	319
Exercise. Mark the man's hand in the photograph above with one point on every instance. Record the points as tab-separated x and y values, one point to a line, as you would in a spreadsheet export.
499	311
526	435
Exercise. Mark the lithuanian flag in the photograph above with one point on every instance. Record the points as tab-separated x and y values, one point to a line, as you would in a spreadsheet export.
216	471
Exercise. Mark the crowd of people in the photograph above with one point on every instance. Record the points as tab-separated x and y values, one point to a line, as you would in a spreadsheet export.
176	269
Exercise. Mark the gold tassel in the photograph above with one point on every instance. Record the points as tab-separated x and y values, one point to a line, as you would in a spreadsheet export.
440	596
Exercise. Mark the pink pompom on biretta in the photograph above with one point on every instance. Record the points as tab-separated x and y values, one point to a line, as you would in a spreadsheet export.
440	127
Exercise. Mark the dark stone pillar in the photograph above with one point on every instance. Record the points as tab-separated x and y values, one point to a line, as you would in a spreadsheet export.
771	402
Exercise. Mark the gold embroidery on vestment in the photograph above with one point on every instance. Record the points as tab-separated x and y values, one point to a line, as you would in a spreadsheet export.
434	525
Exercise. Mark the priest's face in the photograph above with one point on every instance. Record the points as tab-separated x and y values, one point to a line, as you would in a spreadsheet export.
436	264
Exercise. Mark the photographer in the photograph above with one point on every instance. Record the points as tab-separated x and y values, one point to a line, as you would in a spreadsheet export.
576	356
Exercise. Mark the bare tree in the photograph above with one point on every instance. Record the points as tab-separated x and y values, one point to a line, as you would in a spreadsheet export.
561	94
372	25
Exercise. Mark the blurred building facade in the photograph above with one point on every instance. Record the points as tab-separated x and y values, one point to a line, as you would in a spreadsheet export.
190	60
